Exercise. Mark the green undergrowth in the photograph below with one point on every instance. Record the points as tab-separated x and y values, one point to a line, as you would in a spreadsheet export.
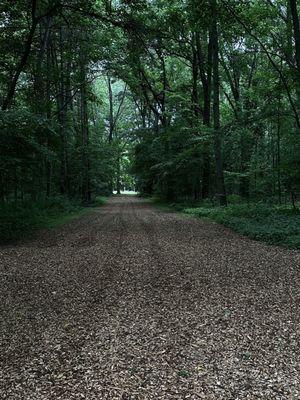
175	206
19	220
273	224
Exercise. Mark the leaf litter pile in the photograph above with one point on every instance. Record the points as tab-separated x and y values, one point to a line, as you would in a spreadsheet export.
131	302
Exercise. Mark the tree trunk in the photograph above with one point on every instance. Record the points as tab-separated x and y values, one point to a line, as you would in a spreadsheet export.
86	185
221	192
278	158
118	175
111	111
205	70
195	97
62	118
296	27
48	114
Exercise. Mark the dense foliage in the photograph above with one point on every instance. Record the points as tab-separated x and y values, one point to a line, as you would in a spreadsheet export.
185	99
269	223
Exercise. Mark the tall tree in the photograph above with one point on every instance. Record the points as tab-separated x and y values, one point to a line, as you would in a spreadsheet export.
221	191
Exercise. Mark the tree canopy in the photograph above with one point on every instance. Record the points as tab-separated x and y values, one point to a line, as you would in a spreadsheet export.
183	99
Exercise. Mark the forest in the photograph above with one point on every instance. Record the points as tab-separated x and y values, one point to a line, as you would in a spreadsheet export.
193	102
149	199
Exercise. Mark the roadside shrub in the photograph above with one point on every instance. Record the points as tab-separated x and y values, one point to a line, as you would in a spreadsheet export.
272	224
20	219
234	199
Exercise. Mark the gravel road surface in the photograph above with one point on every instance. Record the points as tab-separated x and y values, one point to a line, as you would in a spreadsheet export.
133	302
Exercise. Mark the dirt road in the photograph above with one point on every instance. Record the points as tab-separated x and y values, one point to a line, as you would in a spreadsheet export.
132	302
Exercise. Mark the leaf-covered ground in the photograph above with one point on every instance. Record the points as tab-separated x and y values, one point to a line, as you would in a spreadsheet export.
132	302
